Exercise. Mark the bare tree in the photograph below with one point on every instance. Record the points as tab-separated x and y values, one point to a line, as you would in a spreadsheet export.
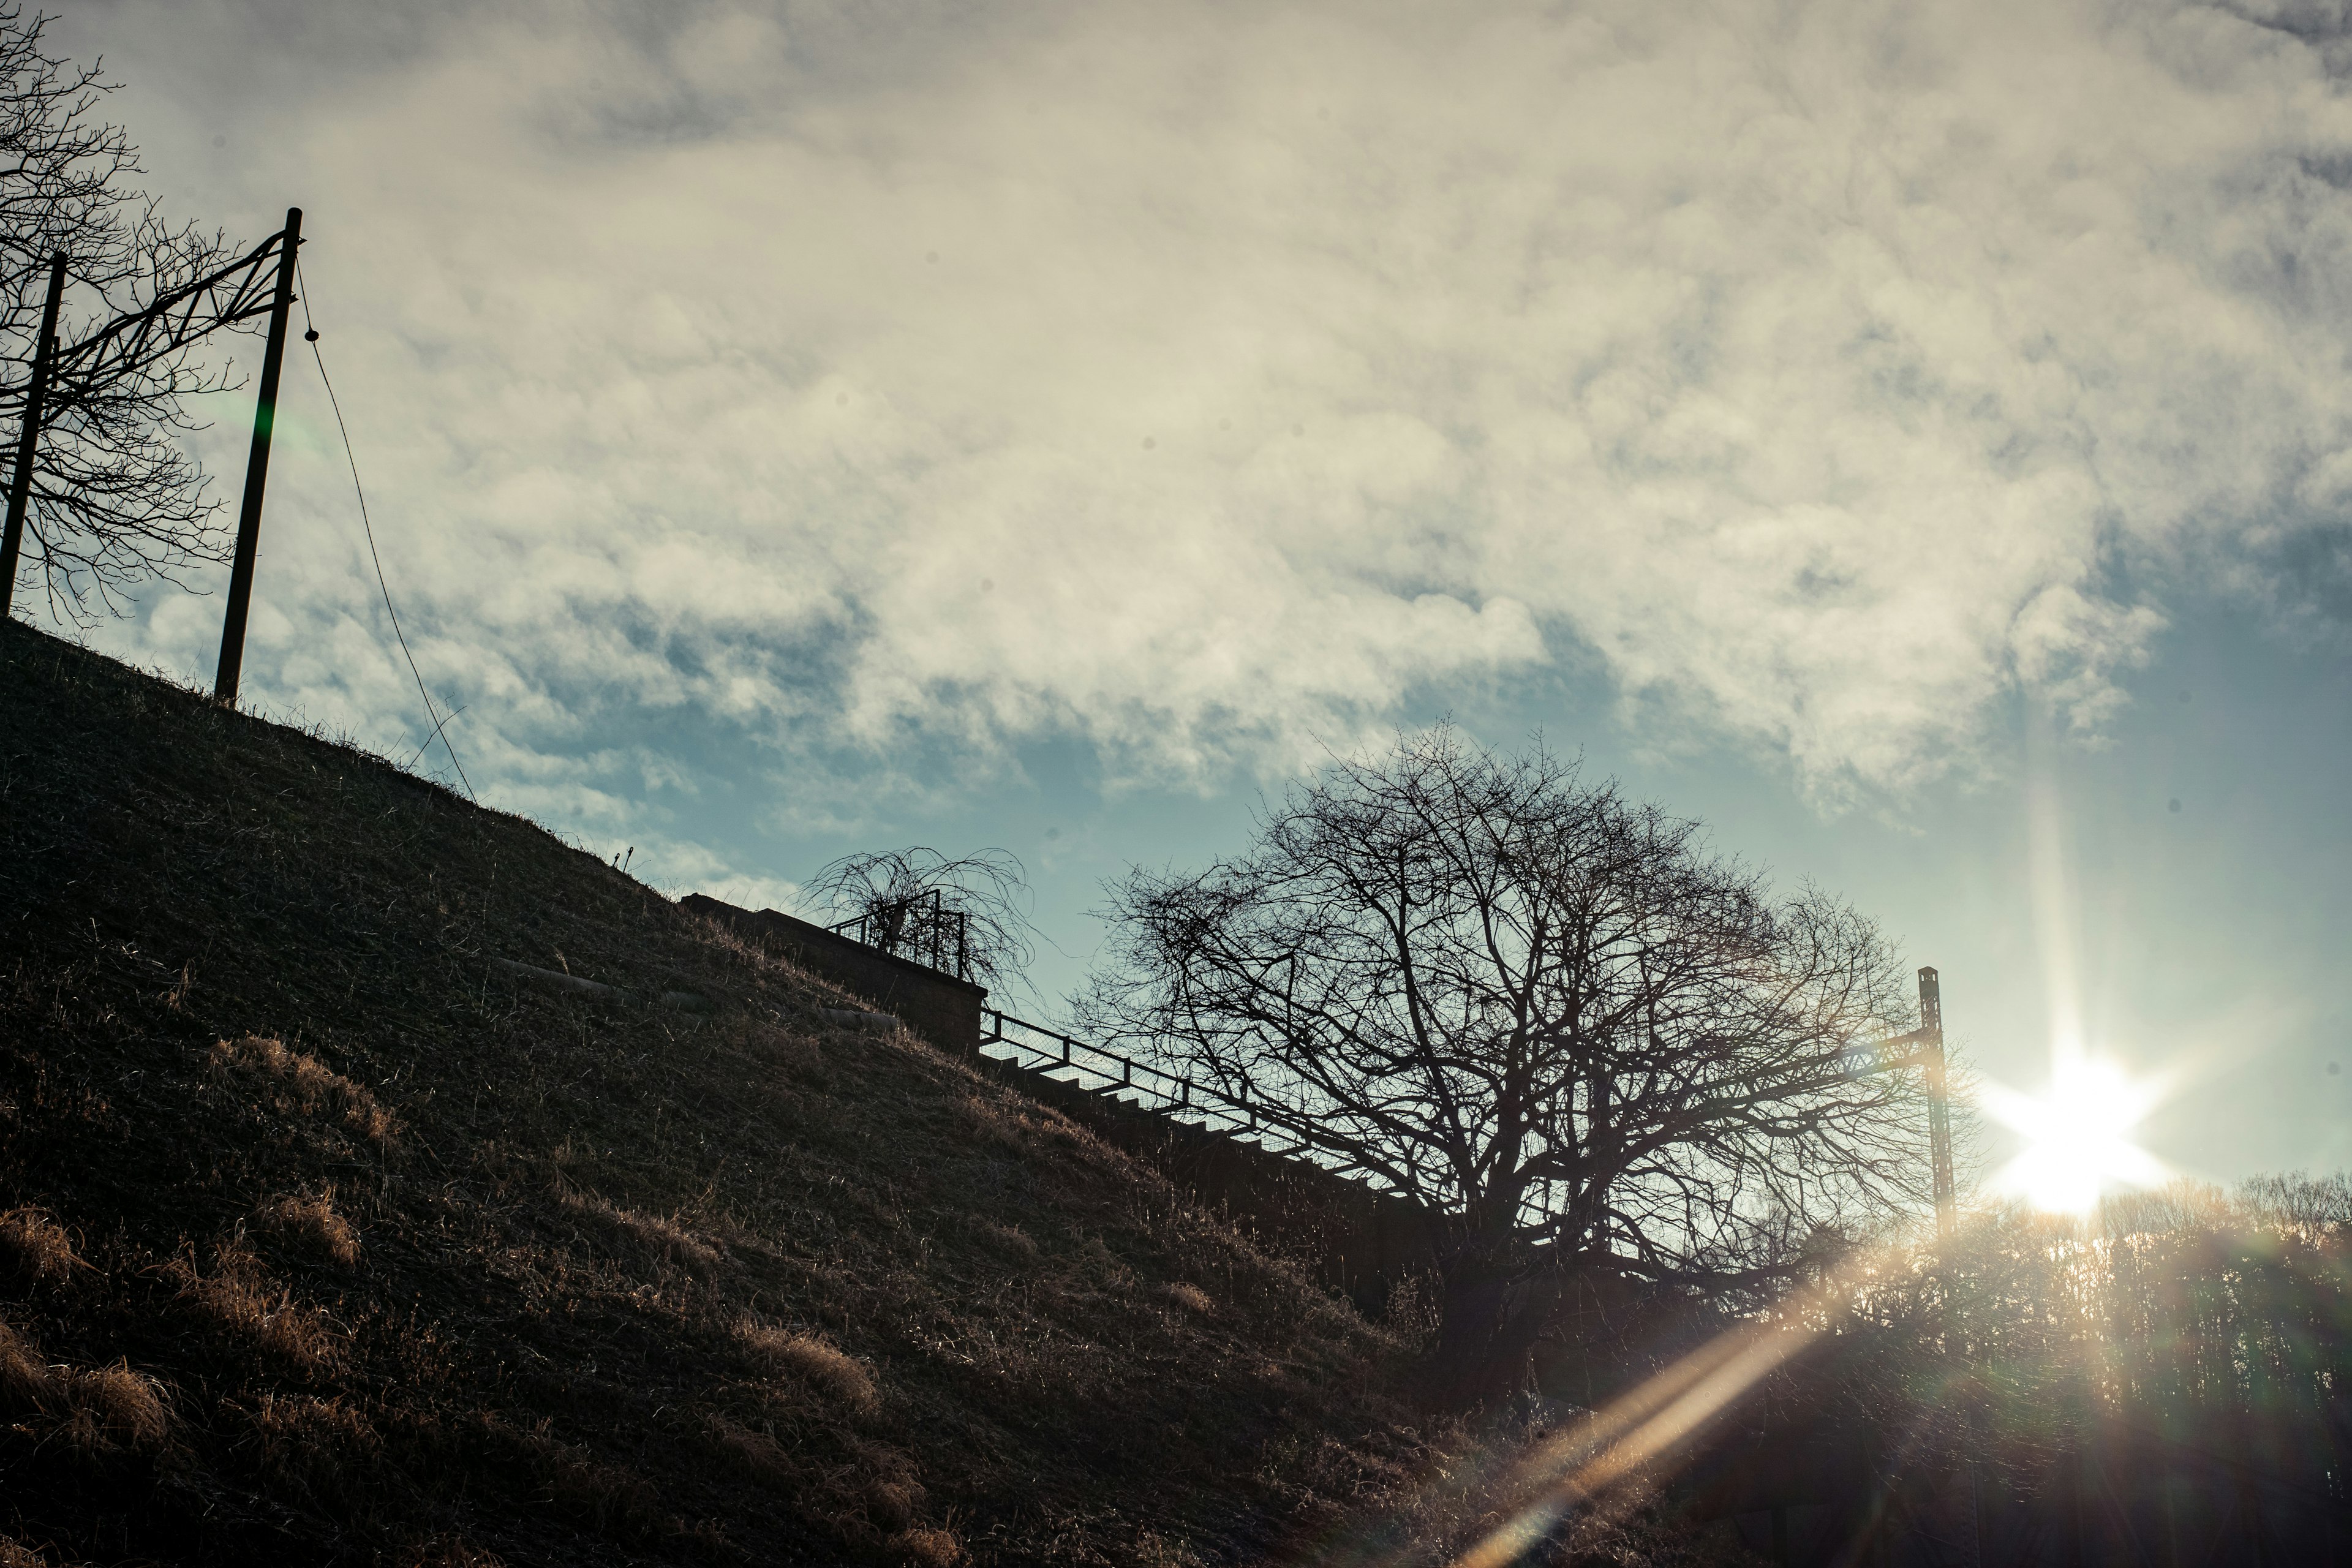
1545	1011
115	499
965	915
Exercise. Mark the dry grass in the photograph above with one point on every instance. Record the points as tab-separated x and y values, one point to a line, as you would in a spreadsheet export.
1191	1298
36	1249
309	1220
127	1407
583	1221
27	1383
91	1411
813	1360
315	1448
1009	1239
301	1082
655	1239
239	1299
924	1546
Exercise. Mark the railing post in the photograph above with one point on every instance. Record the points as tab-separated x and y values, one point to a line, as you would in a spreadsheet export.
37	394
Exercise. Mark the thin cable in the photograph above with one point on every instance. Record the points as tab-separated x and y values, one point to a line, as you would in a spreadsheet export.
440	726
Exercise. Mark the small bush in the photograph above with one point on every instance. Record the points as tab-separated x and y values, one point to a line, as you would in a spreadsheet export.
812	1361
309	1221
36	1249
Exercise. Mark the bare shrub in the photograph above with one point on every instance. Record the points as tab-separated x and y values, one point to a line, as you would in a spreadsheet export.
33	1247
924	1546
652	1238
305	1084
239	1297
309	1221
16	1554
814	1361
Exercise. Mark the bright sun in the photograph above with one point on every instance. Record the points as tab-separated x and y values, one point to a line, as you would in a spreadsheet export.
2077	1136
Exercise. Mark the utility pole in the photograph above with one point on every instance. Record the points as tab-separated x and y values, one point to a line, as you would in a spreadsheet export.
257	468
1923	1047
1939	1103
37	393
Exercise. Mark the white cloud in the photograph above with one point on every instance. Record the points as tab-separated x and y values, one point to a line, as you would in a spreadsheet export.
1204	379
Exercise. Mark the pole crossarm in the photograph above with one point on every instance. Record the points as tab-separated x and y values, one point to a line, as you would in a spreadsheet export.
175	318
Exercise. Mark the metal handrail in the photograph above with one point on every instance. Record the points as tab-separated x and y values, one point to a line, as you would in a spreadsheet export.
897	944
1101	1070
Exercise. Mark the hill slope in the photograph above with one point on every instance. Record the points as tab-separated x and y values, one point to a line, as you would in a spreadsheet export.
327	1239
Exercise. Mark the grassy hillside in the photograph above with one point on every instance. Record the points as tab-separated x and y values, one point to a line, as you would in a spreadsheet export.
328	1239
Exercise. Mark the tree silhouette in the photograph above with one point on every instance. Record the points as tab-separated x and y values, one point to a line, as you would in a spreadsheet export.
115	500
1544	1010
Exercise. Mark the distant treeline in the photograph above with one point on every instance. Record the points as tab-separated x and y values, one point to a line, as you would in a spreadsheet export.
2169	1381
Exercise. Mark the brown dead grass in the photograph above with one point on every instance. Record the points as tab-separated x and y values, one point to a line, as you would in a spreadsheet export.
239	1299
27	1383
301	1082
315	1446
925	1546
636	1285
1191	1298
127	1407
92	1411
309	1220
813	1360
655	1239
36	1249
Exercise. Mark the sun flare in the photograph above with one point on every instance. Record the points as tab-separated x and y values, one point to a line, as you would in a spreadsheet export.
2077	1135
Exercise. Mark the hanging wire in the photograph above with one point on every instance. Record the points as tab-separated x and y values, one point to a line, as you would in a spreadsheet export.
440	724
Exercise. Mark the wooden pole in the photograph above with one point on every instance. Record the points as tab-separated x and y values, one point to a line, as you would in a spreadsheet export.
256	470
37	394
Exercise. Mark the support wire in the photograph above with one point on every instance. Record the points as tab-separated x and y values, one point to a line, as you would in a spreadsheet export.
440	726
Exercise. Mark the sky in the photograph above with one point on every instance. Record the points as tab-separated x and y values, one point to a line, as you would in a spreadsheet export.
1915	441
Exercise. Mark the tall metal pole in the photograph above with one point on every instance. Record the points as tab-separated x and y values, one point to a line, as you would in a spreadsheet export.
36	395
1939	1104
256	469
